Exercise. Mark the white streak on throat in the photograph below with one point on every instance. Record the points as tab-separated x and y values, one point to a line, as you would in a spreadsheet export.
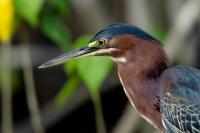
126	92
119	59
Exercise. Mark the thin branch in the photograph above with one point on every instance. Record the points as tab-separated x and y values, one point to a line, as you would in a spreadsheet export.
30	91
6	87
100	122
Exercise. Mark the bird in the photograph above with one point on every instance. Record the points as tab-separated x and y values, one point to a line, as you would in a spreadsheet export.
167	96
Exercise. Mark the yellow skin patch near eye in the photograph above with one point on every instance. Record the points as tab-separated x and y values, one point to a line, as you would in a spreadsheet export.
93	44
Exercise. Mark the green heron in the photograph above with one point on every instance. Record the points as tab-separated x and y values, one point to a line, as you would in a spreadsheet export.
167	97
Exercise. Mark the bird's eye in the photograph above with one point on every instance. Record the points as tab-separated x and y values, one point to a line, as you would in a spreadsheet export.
102	42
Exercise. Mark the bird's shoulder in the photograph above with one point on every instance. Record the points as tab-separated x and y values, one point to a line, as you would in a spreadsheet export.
182	81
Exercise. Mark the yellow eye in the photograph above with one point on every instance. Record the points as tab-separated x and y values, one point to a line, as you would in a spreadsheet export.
102	42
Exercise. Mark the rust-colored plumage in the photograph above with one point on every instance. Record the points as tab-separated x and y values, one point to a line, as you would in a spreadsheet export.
139	74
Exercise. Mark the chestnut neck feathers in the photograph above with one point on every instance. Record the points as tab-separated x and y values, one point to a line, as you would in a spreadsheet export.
145	63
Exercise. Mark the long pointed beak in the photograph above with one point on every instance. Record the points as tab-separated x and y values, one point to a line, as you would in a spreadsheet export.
81	52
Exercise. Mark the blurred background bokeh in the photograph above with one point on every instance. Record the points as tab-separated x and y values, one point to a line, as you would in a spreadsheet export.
83	95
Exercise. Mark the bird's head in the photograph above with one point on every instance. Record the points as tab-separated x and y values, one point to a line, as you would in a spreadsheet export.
118	41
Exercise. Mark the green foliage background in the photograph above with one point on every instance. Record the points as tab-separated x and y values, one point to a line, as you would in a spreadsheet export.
52	21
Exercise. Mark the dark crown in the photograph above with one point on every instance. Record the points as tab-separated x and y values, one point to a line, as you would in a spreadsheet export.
120	29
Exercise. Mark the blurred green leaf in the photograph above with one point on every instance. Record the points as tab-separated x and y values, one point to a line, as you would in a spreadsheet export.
29	10
61	5
67	90
81	41
55	29
70	66
93	71
159	32
70	69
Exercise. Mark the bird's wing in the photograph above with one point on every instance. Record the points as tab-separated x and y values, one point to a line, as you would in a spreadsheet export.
180	102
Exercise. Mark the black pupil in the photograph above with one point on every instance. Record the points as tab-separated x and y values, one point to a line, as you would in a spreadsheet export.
101	42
